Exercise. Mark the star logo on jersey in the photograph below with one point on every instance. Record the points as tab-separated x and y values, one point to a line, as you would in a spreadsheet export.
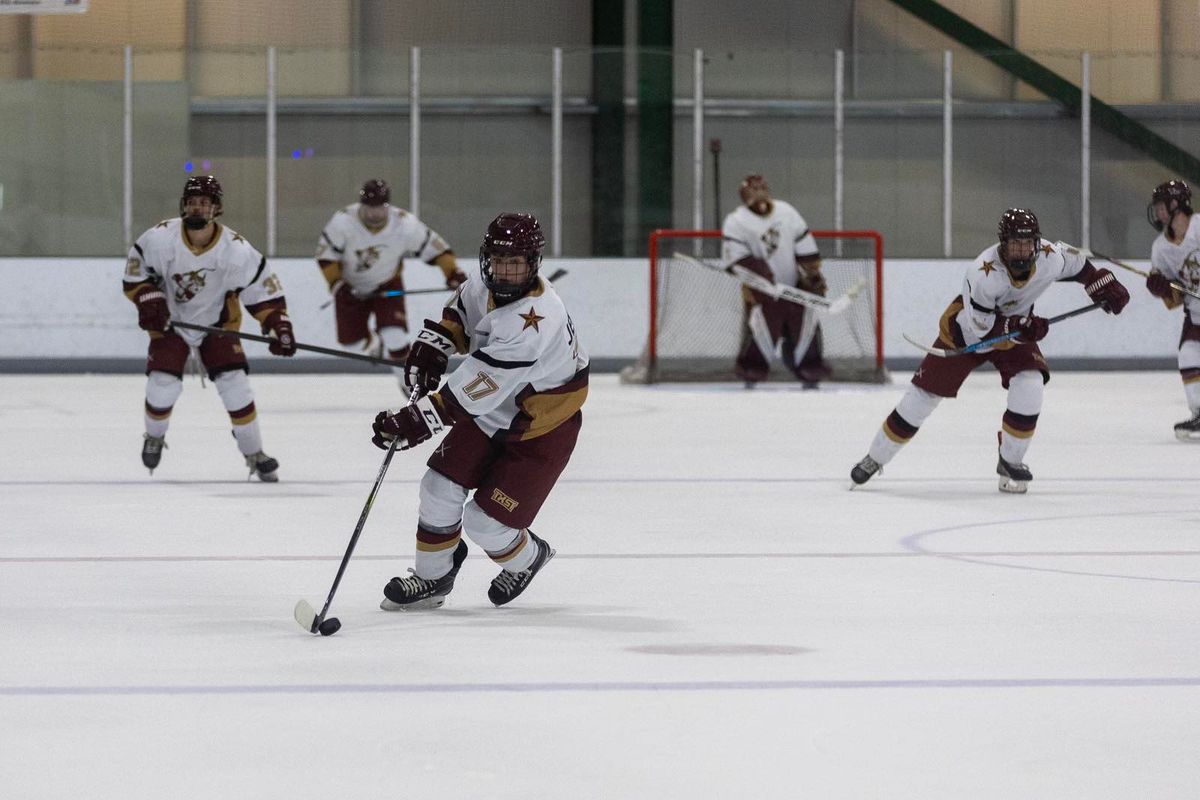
237	237
1046	249
531	319
987	267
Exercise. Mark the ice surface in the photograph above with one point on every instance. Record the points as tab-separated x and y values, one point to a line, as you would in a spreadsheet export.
723	618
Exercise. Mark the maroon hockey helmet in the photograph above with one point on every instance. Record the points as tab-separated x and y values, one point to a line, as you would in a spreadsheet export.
1175	194
202	186
752	184
1018	223
511	234
375	192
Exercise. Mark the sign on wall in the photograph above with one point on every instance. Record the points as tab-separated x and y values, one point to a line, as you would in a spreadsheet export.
43	6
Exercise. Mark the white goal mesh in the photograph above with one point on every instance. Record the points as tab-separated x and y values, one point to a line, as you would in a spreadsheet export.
697	321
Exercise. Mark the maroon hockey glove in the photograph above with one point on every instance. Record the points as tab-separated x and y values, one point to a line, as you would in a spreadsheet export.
1159	285
153	314
426	362
813	282
279	328
411	425
1106	290
456	279
1029	329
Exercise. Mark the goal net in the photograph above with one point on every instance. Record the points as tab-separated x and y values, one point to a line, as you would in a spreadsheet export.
698	325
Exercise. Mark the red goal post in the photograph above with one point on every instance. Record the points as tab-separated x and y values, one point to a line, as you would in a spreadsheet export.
697	317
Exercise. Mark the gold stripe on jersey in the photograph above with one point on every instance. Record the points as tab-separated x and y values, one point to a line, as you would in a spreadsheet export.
332	270
542	412
948	323
202	250
452	321
231	315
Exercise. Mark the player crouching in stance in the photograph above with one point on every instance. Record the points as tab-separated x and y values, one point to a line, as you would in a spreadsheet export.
194	269
1175	256
514	404
997	298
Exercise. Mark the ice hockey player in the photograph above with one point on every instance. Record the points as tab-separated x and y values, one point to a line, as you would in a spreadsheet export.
1175	256
194	269
998	295
361	253
514	406
770	237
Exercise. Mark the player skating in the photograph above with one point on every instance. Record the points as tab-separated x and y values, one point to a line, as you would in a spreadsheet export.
998	296
514	404
361	253
194	269
1175	257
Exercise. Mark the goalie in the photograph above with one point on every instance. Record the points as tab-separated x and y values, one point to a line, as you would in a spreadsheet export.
770	238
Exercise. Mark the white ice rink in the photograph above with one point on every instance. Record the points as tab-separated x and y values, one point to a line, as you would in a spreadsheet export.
723	620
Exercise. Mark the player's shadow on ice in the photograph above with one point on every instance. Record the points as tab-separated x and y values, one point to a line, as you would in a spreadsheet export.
572	617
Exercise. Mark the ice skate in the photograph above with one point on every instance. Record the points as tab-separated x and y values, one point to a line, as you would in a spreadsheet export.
412	593
863	470
1189	429
508	585
263	466
152	447
1014	478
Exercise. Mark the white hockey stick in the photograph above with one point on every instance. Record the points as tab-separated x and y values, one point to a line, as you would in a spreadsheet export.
779	291
1123	265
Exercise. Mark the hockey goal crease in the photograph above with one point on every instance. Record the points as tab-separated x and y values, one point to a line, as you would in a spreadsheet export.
698	322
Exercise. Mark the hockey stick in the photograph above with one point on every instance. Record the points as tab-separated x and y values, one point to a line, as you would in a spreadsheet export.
1123	265
308	618
552	277
779	291
972	348
311	347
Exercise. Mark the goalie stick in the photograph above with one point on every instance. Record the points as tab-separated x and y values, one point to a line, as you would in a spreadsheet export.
304	613
779	291
977	346
1123	265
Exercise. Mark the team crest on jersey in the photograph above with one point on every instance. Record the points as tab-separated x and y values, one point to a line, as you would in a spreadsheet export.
189	284
1189	271
367	257
770	240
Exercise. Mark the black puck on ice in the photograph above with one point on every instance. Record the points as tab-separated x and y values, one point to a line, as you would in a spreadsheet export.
329	627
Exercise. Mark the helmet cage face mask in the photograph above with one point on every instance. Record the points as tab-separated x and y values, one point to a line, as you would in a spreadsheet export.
1018	224
511	235
1176	195
200	186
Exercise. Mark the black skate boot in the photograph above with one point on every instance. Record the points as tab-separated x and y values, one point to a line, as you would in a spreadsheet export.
152	447
1189	429
508	585
416	594
263	466
863	470
1014	478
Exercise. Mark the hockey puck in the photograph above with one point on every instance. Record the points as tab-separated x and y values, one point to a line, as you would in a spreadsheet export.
329	627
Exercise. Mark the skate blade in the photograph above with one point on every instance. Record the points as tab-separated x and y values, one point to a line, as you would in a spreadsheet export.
1187	436
428	604
1010	486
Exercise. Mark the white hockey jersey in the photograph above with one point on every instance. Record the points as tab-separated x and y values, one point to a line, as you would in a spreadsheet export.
203	285
990	292
778	238
1181	263
525	372
369	259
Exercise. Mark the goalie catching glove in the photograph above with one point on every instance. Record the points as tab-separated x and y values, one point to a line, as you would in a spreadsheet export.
412	425
427	360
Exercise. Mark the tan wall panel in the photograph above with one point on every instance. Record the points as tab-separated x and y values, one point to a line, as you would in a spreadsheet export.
1183	46
312	39
90	46
1122	36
